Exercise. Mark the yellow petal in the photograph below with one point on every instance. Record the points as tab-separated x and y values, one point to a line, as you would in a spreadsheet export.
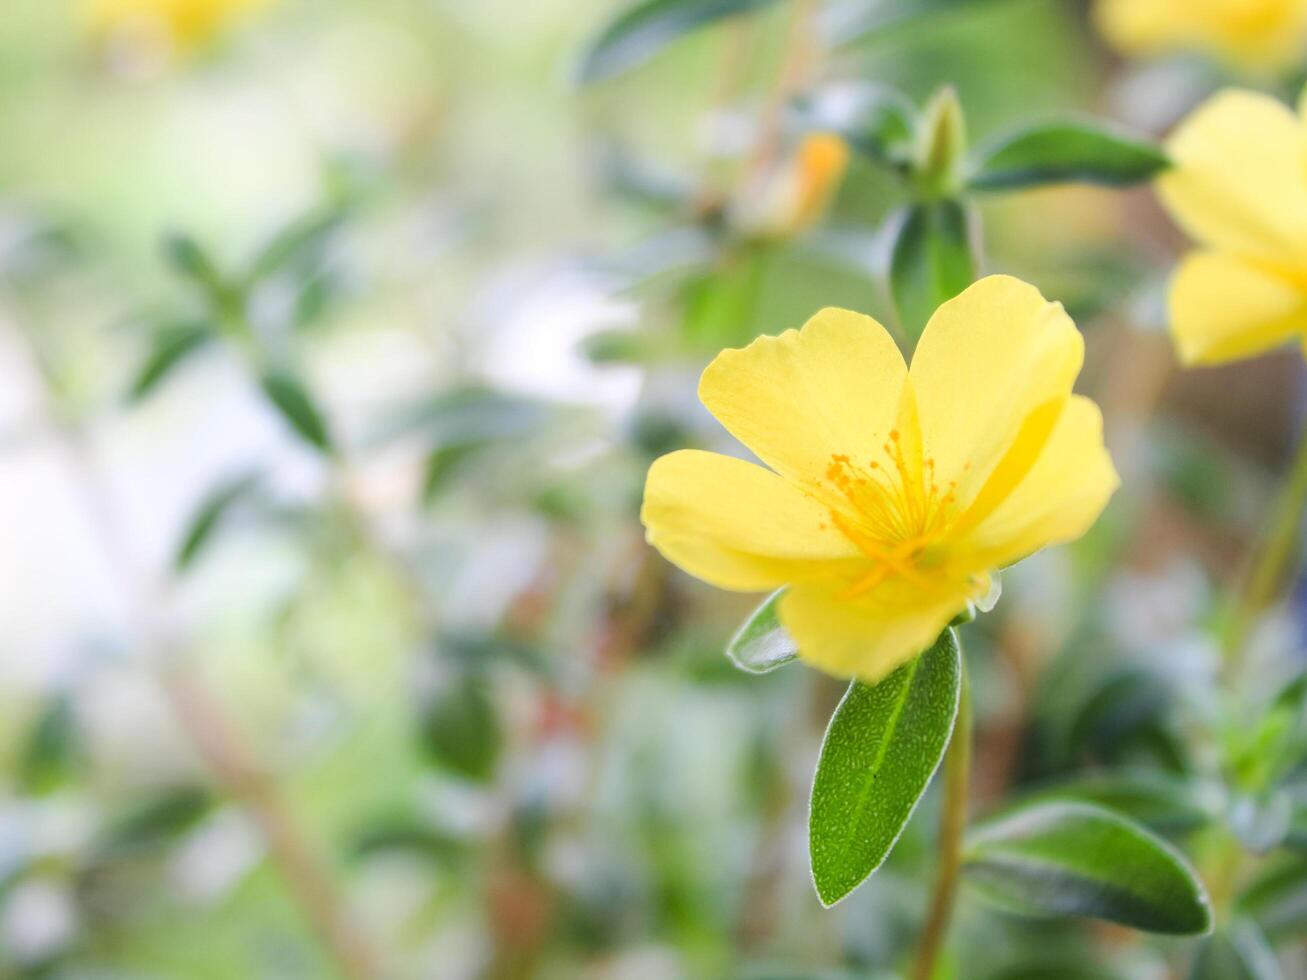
1223	307
1138	26
1060	496
1259	34
734	524
1240	177
988	359
862	640
796	399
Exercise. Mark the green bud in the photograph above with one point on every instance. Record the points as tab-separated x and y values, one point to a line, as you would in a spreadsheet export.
941	144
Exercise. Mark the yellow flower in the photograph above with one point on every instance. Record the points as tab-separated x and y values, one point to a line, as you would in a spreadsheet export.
820	165
1239	188
173	24
796	194
893	494
1255	33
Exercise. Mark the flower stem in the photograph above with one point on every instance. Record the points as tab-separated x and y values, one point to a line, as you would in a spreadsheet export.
1277	546
952	822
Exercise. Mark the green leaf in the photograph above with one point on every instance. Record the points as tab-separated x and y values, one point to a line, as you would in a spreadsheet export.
1058	152
300	240
153	822
854	22
1161	801
190	260
292	399
460	727
931	261
641	31
762	644
168	348
883	744
1277	899
1238	952
216	507
1068	858
52	750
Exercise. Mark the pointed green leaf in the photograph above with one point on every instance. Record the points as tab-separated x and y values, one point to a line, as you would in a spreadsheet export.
884	743
931	261
762	643
168	348
288	393
641	31
210	514
1070	858
1059	152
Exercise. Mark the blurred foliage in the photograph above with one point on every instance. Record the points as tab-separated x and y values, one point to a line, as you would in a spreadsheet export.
337	340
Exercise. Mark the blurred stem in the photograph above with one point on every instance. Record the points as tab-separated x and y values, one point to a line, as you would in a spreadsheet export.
231	760
198	713
796	62
952	822
1278	544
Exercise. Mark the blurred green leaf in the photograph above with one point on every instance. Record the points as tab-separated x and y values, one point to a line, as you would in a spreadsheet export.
52	749
300	240
638	33
1070	858
407	835
1163	801
1058	152
1277	898
169	347
1237	952
292	399
468	415
883	744
1048	969
155	821
762	644
216	506
460	727
189	259
721	305
1126	706
930	262
1262	752
857	20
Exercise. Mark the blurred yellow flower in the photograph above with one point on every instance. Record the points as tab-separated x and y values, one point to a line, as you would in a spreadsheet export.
1239	188
893	494
177	25
794	195
820	165
1255	33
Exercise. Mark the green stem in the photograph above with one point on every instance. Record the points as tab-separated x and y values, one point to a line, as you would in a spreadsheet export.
1277	546
952	822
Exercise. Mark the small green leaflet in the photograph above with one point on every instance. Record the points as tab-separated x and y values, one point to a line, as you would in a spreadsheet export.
762	644
883	744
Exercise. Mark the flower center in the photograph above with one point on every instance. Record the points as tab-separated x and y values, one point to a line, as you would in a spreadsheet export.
896	509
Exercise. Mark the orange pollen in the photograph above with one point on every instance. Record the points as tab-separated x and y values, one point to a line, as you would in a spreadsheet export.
893	513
